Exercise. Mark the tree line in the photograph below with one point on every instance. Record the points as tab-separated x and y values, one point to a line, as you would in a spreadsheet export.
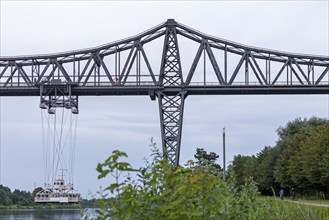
16	197
299	160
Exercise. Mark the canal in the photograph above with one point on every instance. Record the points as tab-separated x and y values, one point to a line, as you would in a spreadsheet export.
43	214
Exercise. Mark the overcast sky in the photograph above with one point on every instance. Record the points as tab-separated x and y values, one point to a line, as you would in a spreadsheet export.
127	123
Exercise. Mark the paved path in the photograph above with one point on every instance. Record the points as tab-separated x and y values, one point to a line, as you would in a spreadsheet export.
307	203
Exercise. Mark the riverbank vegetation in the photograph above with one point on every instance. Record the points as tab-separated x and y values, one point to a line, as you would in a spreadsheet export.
193	191
15	198
299	160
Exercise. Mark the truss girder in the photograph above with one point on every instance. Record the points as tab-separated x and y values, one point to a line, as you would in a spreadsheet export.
94	67
90	67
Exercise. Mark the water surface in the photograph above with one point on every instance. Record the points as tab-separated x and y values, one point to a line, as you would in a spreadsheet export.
42	214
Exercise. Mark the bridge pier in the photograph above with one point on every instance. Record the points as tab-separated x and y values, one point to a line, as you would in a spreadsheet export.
171	110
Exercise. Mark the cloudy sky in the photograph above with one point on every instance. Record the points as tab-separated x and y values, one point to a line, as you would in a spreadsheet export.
128	123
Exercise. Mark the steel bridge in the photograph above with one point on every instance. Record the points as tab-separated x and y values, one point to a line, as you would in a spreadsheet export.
124	67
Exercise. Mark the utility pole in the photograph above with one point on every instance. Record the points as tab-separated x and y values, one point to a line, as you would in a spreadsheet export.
224	156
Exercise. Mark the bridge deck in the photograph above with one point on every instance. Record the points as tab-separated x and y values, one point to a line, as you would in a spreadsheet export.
170	90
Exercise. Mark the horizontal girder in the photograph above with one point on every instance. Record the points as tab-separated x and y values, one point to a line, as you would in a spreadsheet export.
124	68
190	90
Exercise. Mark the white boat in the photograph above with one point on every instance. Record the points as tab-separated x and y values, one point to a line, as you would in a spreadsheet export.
58	193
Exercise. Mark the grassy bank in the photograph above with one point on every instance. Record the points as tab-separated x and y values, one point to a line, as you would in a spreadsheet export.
42	206
286	210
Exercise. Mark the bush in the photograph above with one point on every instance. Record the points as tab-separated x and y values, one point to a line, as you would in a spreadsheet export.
162	191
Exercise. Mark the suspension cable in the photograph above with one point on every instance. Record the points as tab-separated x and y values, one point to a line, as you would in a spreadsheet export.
0	140
44	151
72	146
59	143
59	139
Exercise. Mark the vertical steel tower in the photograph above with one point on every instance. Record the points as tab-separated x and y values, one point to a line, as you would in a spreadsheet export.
171	106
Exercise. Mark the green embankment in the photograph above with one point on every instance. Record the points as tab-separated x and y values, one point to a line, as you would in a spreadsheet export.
41	206
288	210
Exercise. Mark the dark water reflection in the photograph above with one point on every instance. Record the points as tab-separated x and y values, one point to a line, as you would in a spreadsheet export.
42	214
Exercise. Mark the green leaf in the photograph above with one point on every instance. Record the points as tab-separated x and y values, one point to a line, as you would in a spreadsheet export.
113	187
103	174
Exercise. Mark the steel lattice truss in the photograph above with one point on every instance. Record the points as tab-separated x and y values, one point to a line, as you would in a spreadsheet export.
171	106
126	67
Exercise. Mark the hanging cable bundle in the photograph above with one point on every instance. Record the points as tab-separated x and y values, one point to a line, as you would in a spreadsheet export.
59	145
59	129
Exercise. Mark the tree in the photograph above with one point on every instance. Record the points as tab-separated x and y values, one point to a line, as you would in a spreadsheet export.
36	190
295	160
264	173
4	196
16	197
288	169
21	197
243	168
207	160
5	189
314	157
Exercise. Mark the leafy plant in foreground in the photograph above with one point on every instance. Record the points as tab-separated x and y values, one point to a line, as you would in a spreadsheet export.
162	191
